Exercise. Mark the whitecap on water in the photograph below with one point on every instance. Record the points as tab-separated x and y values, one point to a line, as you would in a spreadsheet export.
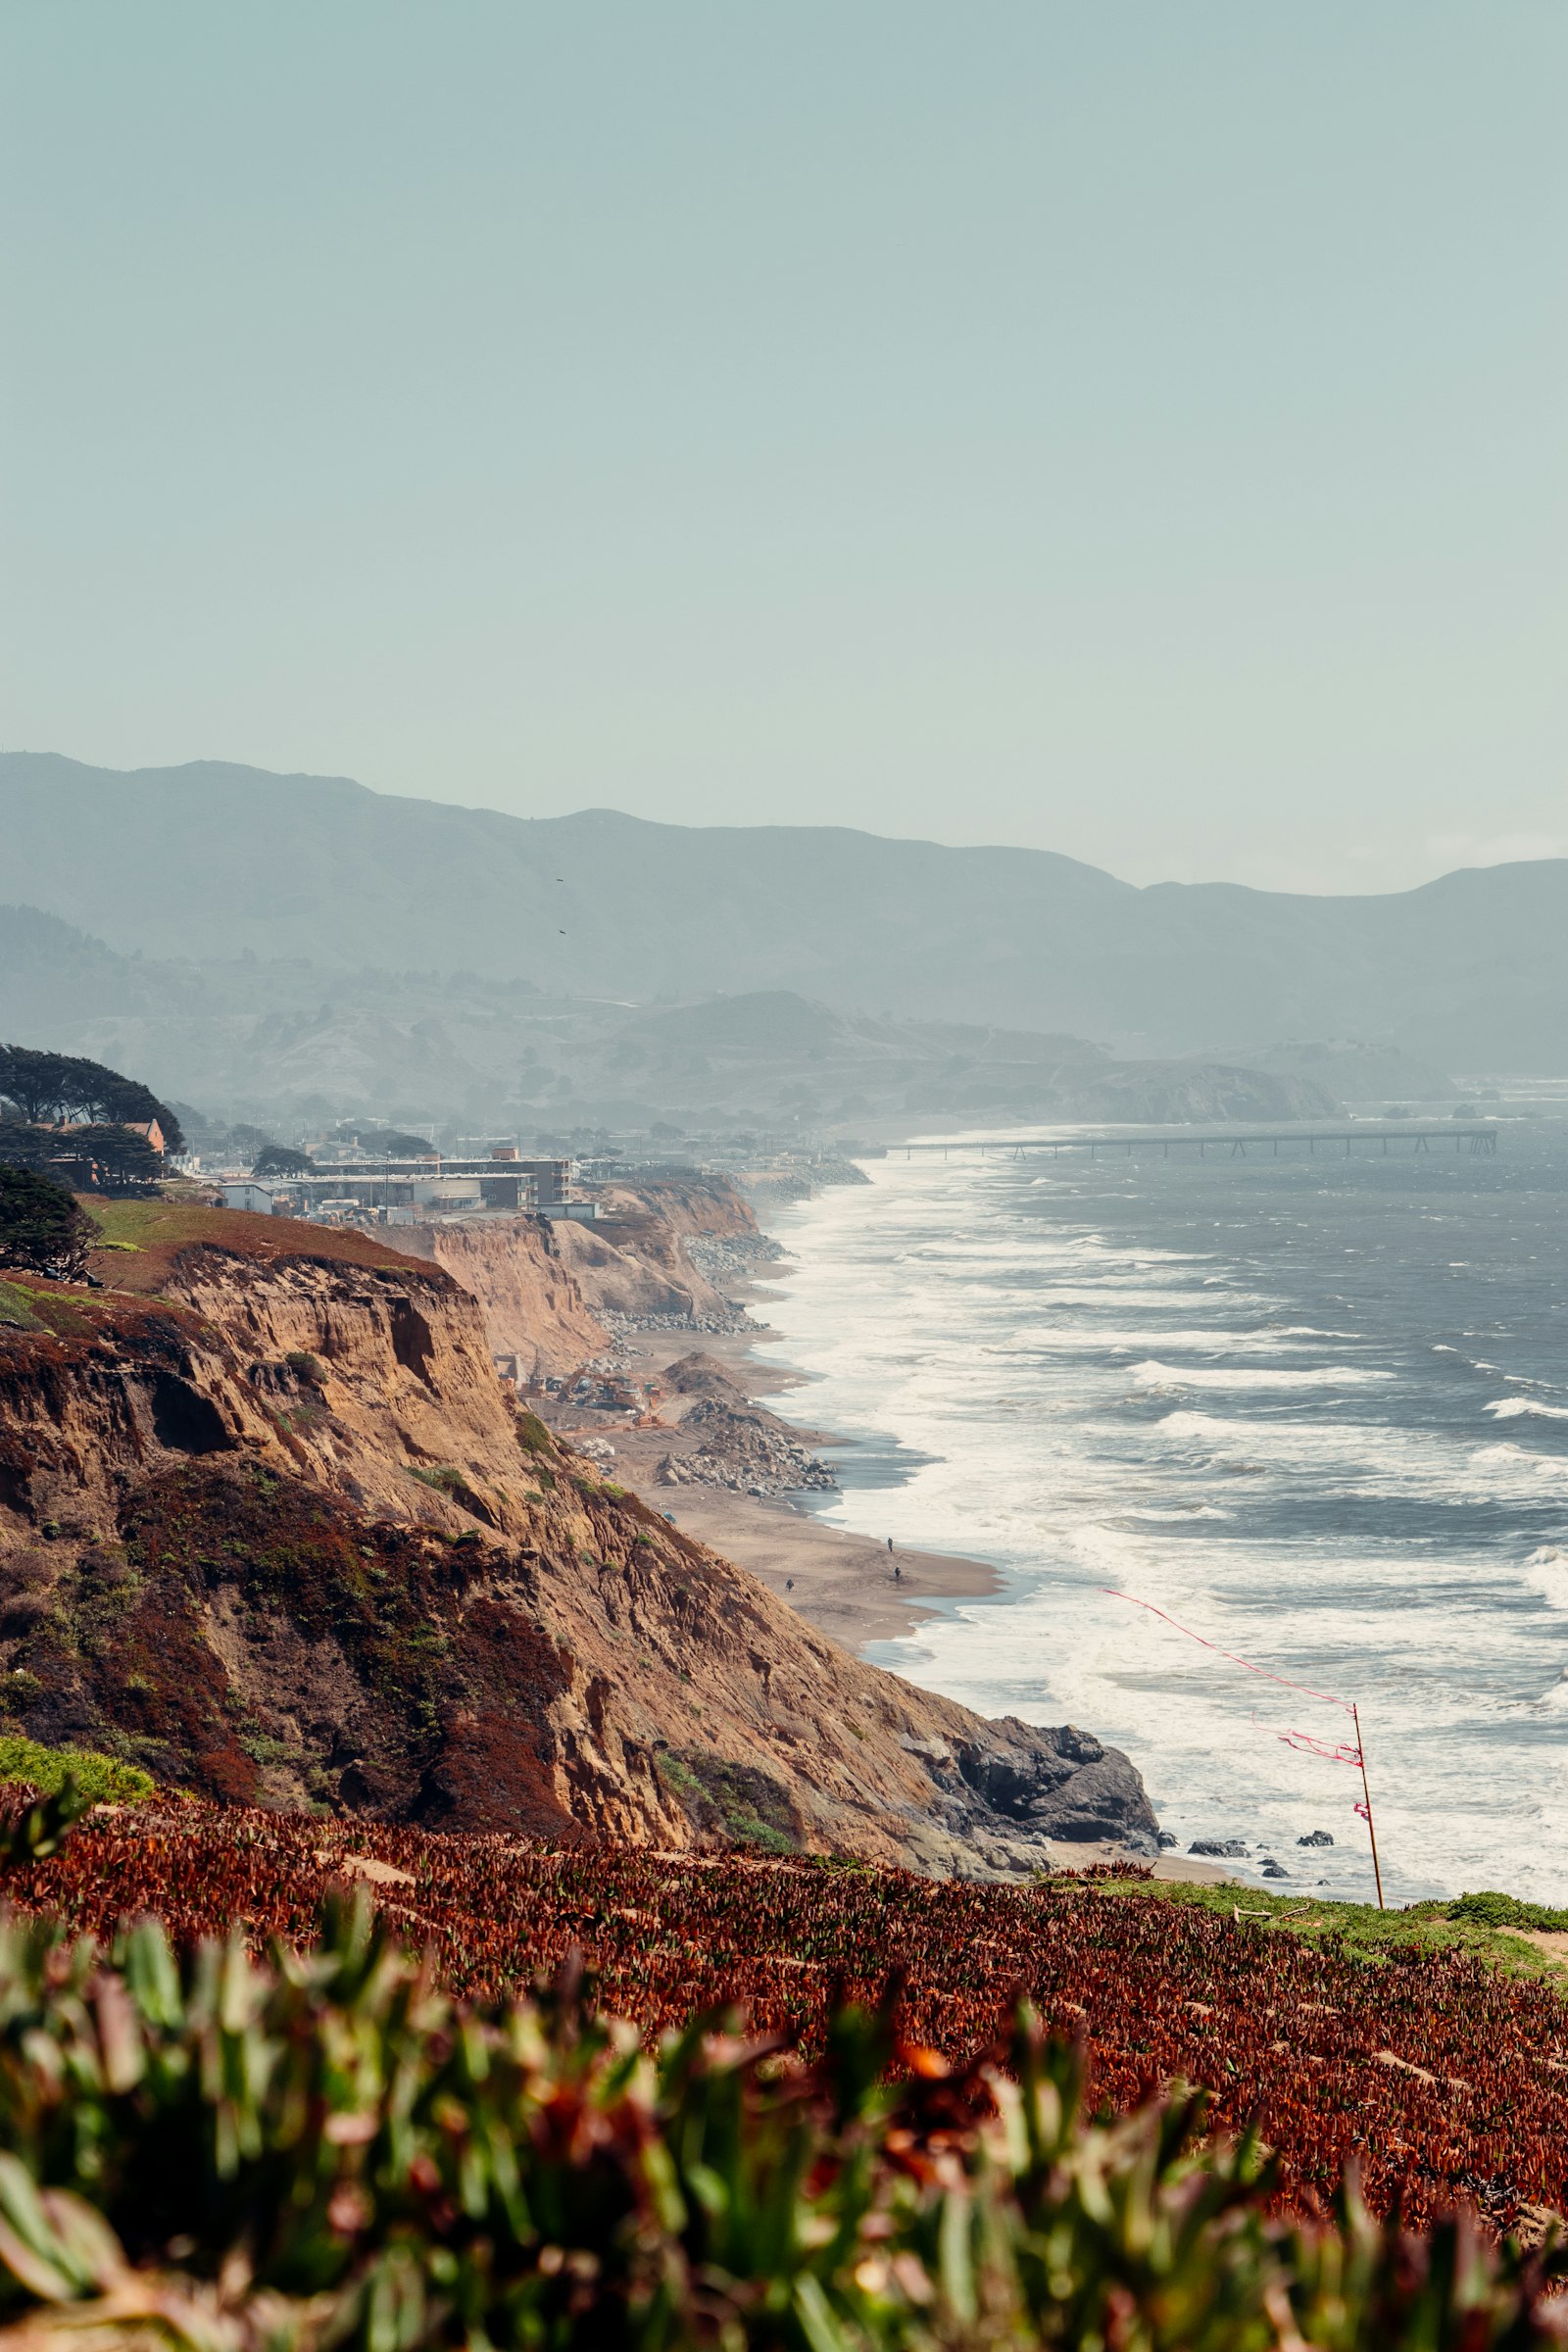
1515	1408
1176	1514
1548	1570
1153	1375
1088	1336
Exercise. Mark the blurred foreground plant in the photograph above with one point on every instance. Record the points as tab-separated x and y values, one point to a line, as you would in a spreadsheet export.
330	2152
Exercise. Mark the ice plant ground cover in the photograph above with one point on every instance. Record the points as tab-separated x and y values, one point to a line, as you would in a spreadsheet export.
1440	2078
327	2150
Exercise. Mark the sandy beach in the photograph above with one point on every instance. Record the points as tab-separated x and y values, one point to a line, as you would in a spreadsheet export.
850	1586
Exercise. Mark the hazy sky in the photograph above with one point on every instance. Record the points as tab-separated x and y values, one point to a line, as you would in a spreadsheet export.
1135	427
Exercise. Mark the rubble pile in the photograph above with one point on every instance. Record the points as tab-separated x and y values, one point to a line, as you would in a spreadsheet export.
747	1452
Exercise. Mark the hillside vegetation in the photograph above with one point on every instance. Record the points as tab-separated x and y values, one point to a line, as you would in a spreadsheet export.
1440	2075
326	2153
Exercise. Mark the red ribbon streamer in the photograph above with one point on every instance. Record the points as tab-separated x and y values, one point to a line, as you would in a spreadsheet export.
1341	1753
1326	1695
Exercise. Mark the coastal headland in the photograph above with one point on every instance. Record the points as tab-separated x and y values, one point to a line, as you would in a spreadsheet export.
295	1518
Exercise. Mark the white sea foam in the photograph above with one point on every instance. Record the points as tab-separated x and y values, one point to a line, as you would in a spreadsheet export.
1520	1458
1546	1569
1153	1375
1079	1337
1179	1512
1120	1293
1517	1408
917	1304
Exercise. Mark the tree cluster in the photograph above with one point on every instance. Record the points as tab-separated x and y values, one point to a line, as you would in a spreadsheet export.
371	1136
85	1160
42	1229
281	1159
54	1088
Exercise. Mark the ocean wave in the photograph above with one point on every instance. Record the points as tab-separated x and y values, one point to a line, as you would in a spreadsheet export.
1177	1513
1372	1516
1515	1408
1095	1336
1548	1570
1115	1293
1541	1465
1152	1375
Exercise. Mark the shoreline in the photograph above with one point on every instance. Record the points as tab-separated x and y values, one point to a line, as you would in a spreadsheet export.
842	1583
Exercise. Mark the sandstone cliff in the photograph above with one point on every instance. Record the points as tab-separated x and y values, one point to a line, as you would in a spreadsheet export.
542	1284
270	1524
522	1272
640	1260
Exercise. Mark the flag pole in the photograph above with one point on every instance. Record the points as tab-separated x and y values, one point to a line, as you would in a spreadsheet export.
1360	1752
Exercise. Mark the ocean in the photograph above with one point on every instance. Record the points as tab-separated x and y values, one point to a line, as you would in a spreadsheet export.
1314	1411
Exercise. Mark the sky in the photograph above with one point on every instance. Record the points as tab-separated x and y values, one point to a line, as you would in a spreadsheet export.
1120	428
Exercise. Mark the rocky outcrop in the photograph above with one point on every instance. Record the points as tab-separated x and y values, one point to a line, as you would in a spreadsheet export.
1063	1783
271	1525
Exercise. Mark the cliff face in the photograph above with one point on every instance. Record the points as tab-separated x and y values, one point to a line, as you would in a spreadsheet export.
522	1272
542	1284
638	1261
276	1530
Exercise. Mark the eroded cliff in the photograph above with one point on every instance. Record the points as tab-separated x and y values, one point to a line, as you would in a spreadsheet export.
270	1524
543	1284
523	1272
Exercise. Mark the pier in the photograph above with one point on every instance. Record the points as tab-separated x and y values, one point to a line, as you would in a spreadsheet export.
1366	1141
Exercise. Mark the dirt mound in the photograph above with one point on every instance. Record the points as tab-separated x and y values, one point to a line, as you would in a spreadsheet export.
700	1375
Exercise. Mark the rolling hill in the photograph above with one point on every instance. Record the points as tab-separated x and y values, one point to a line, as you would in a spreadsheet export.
216	861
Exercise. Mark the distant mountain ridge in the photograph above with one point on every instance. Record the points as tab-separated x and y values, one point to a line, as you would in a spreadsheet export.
262	1040
213	860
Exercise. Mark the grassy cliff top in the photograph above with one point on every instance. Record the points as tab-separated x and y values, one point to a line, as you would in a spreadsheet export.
1524	1939
142	1238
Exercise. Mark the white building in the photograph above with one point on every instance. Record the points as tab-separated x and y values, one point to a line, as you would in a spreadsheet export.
257	1197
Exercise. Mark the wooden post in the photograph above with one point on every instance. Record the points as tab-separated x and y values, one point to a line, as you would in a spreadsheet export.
1360	1751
